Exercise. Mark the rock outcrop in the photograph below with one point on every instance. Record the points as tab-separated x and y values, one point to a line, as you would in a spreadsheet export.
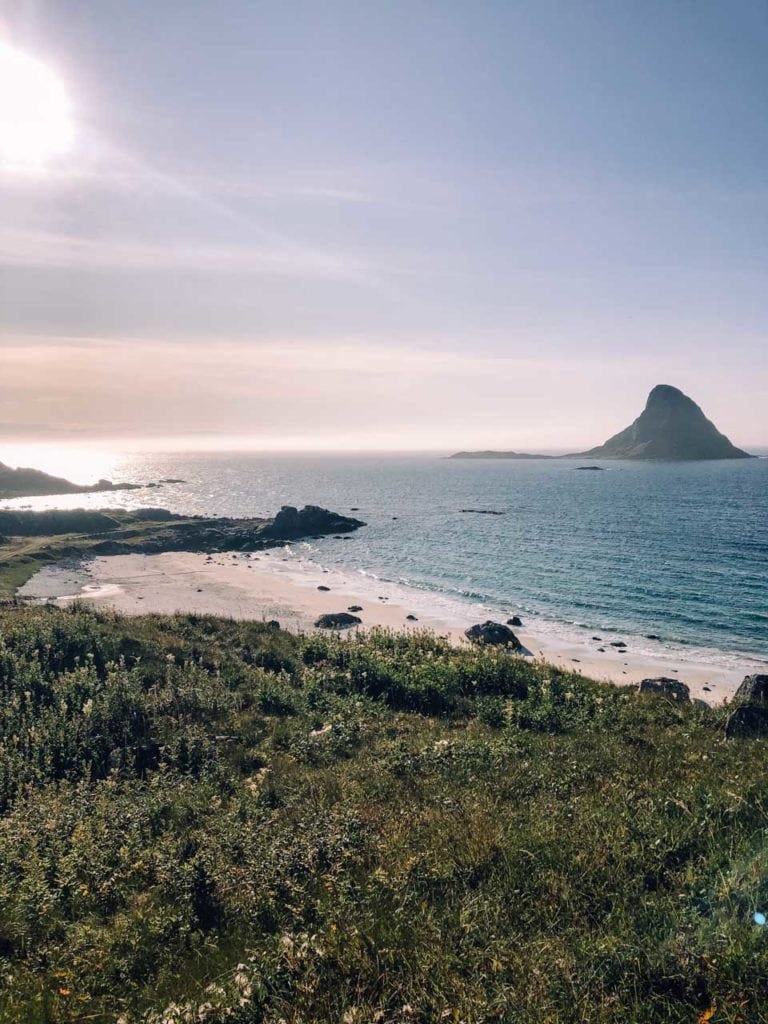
291	523
493	633
750	719
337	620
666	687
671	427
748	722
752	690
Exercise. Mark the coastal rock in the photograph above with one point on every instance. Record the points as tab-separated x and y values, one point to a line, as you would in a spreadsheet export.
337	620
671	427
291	523
753	690
493	633
666	687
515	621
355	608
750	721
321	587
411	618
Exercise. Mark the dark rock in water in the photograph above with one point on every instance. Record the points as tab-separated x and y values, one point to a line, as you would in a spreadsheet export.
753	690
515	621
411	618
599	638
355	608
592	469
750	721
672	426
665	687
652	636
618	643
323	588
290	523
482	511
493	633
337	620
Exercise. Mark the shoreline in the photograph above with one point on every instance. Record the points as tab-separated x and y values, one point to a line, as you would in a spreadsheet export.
275	585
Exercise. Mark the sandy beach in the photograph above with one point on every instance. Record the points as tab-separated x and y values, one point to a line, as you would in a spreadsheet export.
270	585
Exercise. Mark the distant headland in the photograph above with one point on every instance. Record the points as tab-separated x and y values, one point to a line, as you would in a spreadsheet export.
672	427
33	483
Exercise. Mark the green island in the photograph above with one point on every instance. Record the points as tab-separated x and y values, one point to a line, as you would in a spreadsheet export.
206	820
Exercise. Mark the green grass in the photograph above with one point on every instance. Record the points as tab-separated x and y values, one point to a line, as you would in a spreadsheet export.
208	820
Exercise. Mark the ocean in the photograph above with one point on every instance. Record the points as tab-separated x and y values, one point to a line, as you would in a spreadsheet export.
674	549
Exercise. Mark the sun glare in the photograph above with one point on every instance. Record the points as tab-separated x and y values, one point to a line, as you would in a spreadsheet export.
35	116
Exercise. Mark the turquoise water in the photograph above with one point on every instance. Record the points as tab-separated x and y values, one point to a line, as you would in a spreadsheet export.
680	550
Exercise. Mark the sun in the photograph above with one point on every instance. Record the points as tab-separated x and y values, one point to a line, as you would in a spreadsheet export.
35	115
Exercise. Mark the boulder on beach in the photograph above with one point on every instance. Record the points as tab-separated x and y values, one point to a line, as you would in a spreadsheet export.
337	620
666	687
355	608
321	587
493	633
750	721
515	621
753	690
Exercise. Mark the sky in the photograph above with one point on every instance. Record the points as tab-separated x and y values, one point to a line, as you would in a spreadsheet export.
387	225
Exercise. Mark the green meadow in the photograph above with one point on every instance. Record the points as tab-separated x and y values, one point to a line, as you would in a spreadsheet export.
204	820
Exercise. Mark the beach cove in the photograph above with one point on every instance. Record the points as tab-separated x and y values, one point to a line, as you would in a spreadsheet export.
282	585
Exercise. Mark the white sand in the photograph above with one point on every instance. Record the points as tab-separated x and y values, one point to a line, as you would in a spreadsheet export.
266	586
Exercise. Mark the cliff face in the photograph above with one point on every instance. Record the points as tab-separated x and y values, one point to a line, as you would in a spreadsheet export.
672	426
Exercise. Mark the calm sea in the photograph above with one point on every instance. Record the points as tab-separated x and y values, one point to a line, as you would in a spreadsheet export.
680	550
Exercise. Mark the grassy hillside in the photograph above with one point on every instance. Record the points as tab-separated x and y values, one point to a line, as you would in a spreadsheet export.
206	820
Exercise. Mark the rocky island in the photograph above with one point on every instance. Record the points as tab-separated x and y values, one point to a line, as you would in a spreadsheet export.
31	540
672	427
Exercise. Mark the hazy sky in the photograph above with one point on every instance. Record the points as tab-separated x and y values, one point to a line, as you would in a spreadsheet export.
389	224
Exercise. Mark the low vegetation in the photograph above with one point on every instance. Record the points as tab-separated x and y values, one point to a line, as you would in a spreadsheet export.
214	821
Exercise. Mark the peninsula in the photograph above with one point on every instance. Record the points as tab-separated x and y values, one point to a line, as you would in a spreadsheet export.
31	540
672	427
32	483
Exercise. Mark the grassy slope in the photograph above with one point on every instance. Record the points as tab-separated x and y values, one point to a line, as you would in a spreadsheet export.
207	813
